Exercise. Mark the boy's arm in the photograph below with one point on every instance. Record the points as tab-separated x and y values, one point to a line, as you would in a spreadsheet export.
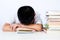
7	28
37	27
10	27
40	27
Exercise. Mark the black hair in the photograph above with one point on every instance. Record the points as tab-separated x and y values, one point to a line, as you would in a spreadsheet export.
26	15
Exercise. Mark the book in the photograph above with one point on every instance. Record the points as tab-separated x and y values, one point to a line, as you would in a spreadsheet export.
53	19
24	31
55	12
53	16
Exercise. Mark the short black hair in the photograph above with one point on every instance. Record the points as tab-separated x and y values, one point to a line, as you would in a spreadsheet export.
26	14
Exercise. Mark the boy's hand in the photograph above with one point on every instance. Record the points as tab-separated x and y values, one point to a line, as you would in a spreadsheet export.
15	26
7	28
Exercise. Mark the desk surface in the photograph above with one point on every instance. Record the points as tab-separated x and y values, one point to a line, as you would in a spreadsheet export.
50	35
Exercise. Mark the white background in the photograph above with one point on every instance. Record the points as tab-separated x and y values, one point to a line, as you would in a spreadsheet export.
9	7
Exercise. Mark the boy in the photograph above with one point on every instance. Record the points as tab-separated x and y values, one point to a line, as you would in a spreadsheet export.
26	18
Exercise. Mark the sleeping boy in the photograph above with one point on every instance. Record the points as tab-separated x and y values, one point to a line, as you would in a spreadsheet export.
27	20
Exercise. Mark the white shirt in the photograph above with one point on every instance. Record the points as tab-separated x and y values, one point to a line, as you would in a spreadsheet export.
14	19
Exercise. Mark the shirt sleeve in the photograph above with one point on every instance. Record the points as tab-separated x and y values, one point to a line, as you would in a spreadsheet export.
37	19
10	19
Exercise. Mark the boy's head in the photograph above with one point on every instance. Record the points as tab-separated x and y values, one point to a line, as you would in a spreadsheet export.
26	15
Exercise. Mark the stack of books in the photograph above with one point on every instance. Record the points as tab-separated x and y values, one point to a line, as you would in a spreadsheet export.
53	19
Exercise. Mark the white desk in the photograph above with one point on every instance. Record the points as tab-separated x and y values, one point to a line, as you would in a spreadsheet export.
15	36
50	35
